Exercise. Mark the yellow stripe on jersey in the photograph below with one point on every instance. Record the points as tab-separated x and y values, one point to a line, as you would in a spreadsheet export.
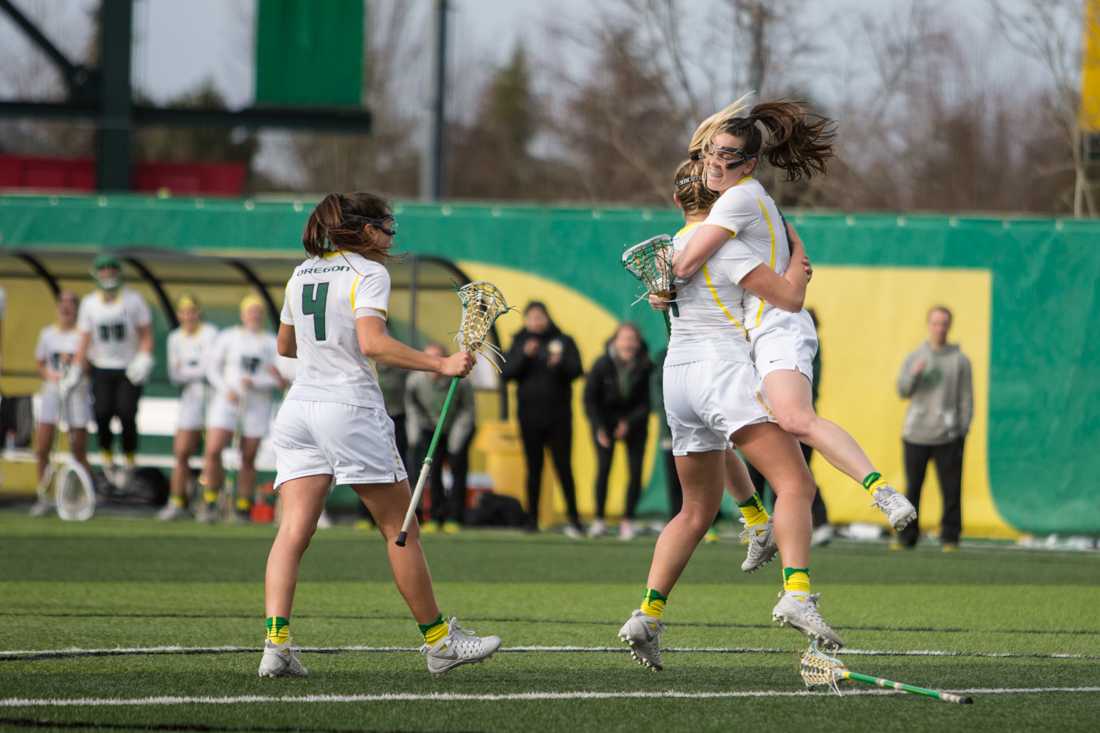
330	255
714	294
771	262
688	227
354	287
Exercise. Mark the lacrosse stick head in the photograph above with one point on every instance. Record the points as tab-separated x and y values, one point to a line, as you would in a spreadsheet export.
819	669
651	262
482	304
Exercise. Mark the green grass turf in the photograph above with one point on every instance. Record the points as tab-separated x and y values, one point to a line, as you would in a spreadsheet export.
116	583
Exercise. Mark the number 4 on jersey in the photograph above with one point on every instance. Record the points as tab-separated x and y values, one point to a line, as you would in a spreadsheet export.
314	299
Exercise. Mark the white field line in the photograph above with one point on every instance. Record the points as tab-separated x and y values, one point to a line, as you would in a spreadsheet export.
17	654
25	702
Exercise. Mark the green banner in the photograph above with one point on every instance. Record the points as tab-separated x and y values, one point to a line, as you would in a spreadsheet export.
309	53
1023	291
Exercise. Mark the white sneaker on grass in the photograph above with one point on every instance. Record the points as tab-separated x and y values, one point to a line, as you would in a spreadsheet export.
898	509
643	633
460	646
281	660
598	528
798	610
627	531
41	507
762	548
171	511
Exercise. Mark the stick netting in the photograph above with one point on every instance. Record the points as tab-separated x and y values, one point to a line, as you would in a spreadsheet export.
482	304
651	262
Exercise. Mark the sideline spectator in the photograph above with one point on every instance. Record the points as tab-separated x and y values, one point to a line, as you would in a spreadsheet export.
936	379
543	362
616	399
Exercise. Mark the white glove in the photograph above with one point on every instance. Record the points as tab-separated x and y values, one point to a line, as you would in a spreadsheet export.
69	380
139	368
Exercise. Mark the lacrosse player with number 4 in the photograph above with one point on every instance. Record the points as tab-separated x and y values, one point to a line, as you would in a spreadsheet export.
333	426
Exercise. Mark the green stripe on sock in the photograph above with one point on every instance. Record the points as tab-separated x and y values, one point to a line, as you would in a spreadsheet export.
753	501
425	628
653	595
787	572
871	478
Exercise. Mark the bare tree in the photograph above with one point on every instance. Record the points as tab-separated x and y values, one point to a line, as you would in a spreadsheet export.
1050	32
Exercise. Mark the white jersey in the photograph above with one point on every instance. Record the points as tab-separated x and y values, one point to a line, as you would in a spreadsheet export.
710	304
751	217
323	298
113	327
188	353
240	353
57	348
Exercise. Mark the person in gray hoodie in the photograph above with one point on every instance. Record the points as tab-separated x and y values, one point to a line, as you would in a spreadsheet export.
936	380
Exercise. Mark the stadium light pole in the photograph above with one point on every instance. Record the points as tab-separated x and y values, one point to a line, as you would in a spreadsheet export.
433	168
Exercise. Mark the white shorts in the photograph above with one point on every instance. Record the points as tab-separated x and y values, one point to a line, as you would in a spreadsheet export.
706	402
788	341
353	444
76	410
192	406
226	415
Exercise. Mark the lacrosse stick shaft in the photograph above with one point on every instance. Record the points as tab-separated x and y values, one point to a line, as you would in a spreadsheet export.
426	467
901	686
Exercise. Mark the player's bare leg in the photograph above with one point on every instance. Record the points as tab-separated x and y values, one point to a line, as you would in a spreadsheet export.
446	644
791	398
780	458
701	476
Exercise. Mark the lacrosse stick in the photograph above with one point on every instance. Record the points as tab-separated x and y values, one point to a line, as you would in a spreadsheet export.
820	669
651	263
74	492
482	305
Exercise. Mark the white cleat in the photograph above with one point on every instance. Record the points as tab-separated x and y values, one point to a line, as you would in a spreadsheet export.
41	508
280	660
171	512
822	536
643	634
627	531
798	610
762	548
898	509
598	528
458	647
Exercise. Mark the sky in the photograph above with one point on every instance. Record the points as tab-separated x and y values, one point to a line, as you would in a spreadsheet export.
181	43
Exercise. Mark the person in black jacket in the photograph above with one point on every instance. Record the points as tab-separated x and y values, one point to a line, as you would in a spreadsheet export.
616	399
543	361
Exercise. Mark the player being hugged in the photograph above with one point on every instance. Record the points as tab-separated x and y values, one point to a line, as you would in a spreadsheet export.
189	349
56	354
333	424
243	371
116	346
712	398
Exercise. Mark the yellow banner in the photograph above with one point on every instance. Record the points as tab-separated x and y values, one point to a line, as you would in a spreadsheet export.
1089	117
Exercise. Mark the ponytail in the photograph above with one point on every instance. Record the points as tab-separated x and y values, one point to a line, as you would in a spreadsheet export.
799	142
338	222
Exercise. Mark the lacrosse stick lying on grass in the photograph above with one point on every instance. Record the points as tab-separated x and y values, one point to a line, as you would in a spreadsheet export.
818	669
482	304
651	262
